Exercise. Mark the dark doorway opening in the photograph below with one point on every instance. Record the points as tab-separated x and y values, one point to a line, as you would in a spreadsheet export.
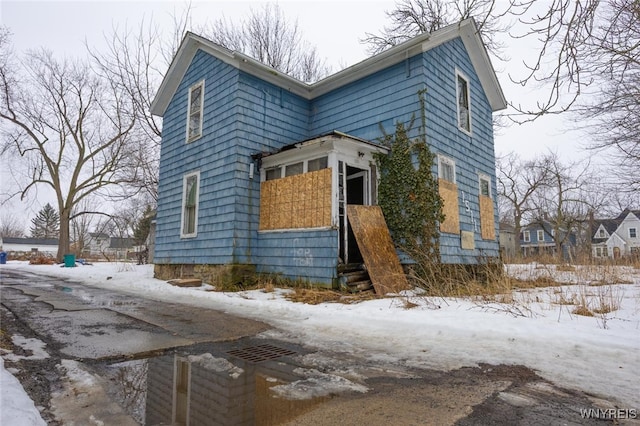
354	189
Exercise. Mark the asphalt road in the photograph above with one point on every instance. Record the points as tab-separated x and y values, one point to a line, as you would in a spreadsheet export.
97	329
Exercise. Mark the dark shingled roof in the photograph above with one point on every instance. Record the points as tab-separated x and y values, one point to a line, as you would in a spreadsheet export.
610	225
31	241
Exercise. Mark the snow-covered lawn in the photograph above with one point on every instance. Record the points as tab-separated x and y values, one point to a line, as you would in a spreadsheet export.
538	328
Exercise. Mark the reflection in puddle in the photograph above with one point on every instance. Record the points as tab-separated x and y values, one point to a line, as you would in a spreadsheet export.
223	387
205	390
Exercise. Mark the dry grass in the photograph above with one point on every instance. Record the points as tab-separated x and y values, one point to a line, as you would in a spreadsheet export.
315	296
565	268
582	310
408	304
42	260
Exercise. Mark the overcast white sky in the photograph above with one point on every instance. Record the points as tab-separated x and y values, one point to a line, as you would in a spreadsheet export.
335	27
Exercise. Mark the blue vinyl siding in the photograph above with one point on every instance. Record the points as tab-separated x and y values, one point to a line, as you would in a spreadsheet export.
244	115
308	255
212	154
268	119
359	108
473	153
391	95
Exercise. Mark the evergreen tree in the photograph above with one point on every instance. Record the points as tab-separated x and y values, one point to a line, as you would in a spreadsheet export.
46	224
141	230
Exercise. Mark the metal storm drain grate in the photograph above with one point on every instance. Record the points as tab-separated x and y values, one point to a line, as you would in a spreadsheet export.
260	353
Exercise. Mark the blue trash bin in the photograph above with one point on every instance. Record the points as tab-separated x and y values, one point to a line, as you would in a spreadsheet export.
3	257
69	260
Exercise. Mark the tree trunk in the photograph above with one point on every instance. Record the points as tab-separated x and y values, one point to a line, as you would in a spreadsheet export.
517	228
64	242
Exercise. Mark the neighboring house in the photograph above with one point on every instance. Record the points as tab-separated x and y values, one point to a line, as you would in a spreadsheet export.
538	238
619	237
257	168
96	244
46	246
507	238
120	247
101	244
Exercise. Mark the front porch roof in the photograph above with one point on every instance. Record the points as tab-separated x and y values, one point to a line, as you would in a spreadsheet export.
324	142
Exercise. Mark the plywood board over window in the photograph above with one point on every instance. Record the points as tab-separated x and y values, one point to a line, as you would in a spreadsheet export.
298	201
487	223
449	194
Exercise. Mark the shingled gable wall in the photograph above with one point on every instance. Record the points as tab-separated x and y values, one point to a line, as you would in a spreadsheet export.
245	115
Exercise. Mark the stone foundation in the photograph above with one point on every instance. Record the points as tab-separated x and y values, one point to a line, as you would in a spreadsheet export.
216	275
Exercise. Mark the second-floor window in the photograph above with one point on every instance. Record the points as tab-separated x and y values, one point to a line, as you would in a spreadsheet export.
601	233
526	236
464	109
540	235
633	233
194	113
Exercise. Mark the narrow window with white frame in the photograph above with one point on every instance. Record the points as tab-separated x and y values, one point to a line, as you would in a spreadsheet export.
190	196
526	236
540	235
446	169
485	185
194	113
463	102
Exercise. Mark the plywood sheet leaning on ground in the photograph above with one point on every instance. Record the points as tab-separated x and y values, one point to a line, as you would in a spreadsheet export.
377	249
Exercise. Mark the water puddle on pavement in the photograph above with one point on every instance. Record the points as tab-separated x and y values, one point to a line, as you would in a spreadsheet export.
255	384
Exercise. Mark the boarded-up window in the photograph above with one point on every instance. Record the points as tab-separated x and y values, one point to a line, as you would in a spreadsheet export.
449	194
299	201
487	222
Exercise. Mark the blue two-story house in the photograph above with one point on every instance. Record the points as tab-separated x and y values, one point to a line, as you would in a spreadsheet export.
539	239
257	168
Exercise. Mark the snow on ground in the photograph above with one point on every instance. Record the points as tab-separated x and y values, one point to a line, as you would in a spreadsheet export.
536	327
16	408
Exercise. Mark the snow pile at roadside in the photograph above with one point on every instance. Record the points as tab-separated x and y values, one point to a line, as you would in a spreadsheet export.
535	327
16	408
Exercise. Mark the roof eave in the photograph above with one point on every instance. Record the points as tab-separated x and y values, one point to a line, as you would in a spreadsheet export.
466	29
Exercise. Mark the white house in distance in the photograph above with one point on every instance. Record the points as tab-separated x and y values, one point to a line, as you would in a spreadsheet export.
46	246
619	237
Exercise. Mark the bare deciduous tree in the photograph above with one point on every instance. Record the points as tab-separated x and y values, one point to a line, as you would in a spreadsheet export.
270	38
11	226
70	128
581	48
413	17
517	182
616	108
134	63
565	201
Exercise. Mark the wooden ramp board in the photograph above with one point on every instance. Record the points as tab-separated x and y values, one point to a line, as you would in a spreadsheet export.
376	247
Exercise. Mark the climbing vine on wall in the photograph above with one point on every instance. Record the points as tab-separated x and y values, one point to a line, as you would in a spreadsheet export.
408	193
